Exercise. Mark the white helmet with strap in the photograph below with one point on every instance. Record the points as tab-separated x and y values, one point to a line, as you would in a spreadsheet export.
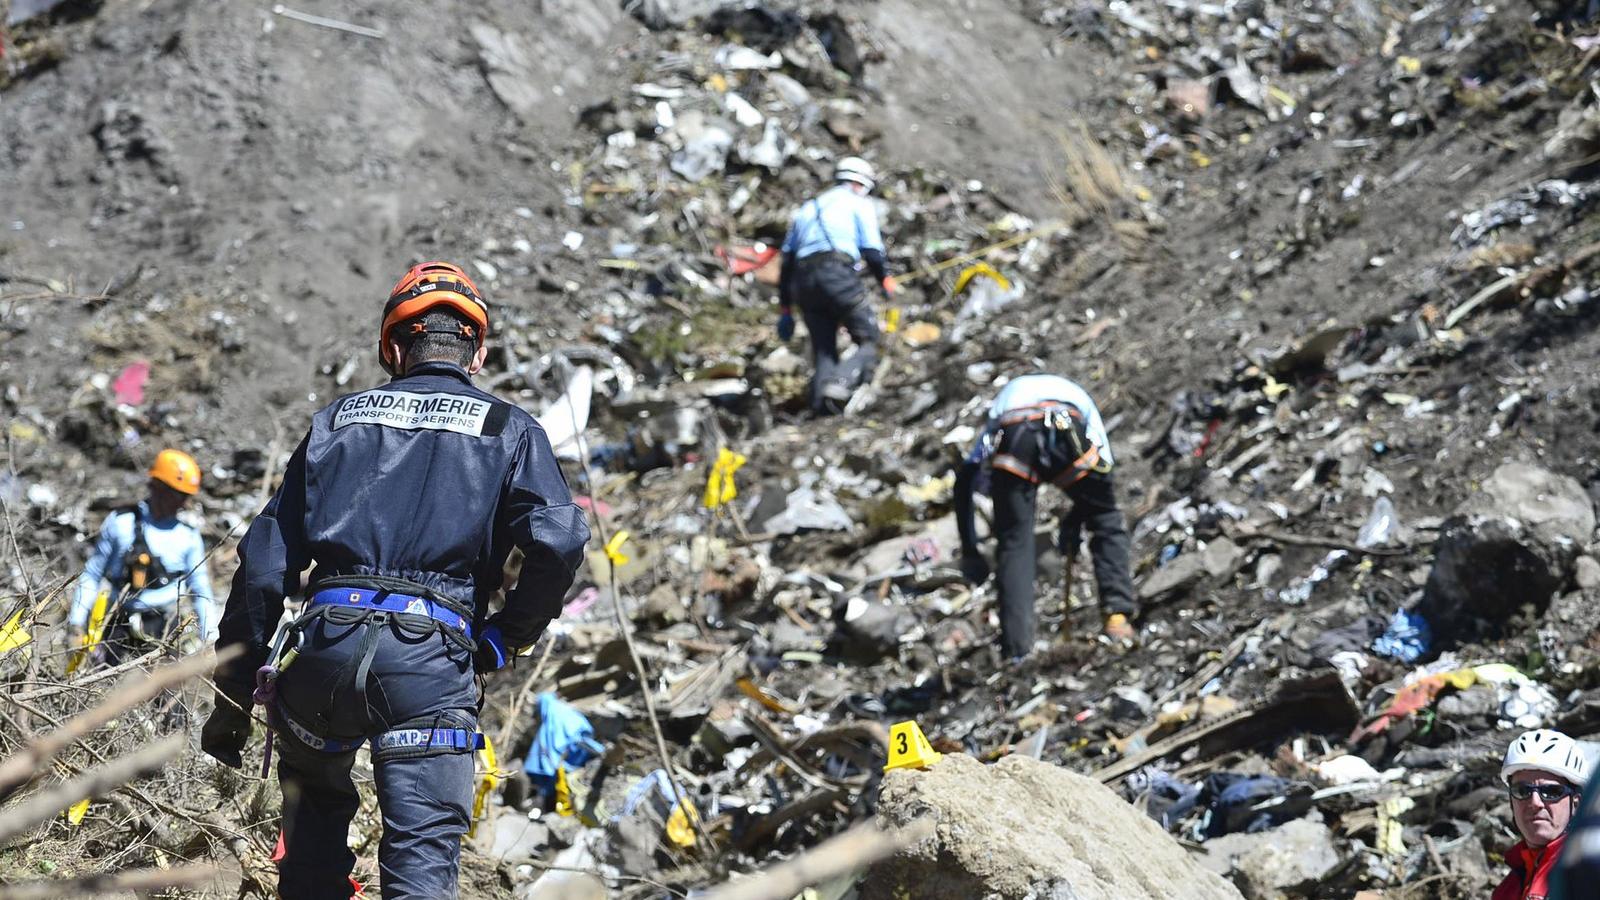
854	168
1548	751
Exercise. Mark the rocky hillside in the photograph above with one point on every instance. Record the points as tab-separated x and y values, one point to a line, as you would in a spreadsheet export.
1328	273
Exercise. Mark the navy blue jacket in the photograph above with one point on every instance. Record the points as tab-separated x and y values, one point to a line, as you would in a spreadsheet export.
427	479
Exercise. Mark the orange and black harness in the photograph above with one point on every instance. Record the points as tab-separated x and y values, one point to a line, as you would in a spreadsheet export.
1061	421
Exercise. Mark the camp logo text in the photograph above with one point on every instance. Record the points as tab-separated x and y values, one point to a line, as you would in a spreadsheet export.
402	409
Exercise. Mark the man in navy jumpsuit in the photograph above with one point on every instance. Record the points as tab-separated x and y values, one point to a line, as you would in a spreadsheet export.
406	501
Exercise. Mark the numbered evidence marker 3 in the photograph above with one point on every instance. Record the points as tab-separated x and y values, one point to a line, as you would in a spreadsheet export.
909	748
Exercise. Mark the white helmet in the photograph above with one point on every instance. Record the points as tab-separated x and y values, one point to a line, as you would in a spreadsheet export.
854	168
1549	751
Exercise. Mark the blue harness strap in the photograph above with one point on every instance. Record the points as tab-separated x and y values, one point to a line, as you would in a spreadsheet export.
457	739
427	738
384	601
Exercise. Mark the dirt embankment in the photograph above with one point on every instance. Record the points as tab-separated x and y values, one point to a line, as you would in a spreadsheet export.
1306	263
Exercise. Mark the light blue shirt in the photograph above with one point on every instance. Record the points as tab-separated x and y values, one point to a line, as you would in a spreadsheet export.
839	221
182	554
1032	390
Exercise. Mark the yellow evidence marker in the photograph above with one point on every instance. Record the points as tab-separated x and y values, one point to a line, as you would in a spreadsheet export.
909	748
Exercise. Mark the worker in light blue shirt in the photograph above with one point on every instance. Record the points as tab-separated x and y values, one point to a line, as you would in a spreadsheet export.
830	236
152	560
1045	429
1034	391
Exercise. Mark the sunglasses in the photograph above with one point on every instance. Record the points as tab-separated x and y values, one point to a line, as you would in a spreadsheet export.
1549	793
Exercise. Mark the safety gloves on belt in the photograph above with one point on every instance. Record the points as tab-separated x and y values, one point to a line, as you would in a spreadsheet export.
785	324
225	733
492	652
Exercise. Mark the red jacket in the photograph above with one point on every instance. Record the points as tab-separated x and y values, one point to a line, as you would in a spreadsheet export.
1530	871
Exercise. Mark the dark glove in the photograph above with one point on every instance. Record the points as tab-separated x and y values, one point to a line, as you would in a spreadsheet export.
225	733
785	325
492	653
974	568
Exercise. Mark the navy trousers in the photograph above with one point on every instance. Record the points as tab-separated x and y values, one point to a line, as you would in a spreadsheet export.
417	680
831	296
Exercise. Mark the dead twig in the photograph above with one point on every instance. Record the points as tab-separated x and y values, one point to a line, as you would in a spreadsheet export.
522	696
860	846
864	734
809	806
772	742
1522	282
1312	540
42	806
104	883
23	765
335	24
81	683
645	689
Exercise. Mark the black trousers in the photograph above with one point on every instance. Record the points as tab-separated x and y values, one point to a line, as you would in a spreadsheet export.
1094	504
121	644
831	296
425	799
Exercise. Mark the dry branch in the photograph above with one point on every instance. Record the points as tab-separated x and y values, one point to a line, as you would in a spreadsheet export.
21	766
96	782
860	846
80	683
111	883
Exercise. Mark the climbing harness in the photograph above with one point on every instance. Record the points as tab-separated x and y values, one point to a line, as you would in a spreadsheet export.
1060	421
373	603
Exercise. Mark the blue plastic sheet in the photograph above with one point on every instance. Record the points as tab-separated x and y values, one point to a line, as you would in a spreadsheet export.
1407	639
565	738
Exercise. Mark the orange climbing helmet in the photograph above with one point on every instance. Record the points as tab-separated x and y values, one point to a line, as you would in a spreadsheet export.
425	286
177	470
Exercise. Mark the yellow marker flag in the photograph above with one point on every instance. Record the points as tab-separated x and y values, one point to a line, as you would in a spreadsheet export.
613	549
564	793
891	320
1391	831
984	269
77	811
680	825
14	634
92	636
486	783
721	488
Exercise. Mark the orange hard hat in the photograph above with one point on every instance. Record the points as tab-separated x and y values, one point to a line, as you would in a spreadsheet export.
177	470
425	286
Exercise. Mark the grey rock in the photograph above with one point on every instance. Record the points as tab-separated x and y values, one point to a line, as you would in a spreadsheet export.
1222	557
1554	506
517	838
1267	863
1175	575
1587	573
1514	542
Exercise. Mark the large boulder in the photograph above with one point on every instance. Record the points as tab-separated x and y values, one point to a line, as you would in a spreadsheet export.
1026	829
1513	543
